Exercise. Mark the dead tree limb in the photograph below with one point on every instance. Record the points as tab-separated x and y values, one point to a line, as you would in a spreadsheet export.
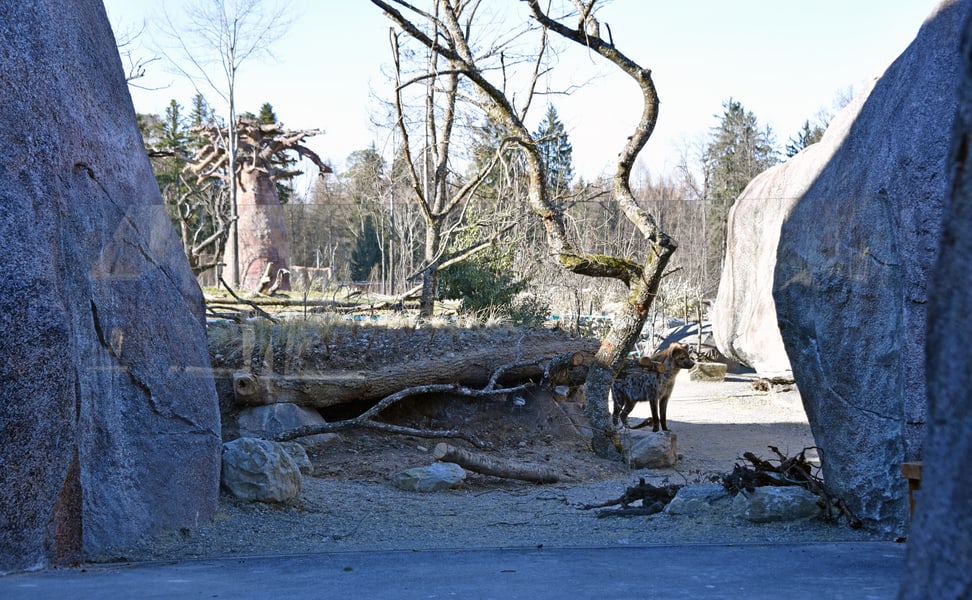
252	305
491	465
795	470
484	368
653	500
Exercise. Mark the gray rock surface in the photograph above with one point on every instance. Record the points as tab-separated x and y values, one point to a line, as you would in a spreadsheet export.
700	499
432	478
744	321
645	449
771	503
270	420
260	470
299	455
851	280
939	544
108	411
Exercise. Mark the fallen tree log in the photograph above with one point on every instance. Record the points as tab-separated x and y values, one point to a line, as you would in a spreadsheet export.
474	369
491	465
367	418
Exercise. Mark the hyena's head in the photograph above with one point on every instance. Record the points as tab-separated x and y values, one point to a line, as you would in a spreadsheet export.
680	357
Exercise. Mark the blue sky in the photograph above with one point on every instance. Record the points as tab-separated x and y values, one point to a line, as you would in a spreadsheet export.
783	59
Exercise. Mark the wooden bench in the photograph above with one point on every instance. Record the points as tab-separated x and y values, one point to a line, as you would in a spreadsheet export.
912	472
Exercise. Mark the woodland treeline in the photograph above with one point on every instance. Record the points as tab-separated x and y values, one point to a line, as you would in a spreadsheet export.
446	215
360	225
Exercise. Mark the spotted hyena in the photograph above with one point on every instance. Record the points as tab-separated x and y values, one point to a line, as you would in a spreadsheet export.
649	379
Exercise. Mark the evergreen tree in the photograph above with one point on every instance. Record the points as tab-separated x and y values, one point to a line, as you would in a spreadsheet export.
807	136
366	252
267	116
738	150
201	114
174	133
556	151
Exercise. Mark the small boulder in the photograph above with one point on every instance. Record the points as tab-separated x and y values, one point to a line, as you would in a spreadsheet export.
255	469
708	371
271	420
432	478
650	449
771	503
700	499
299	455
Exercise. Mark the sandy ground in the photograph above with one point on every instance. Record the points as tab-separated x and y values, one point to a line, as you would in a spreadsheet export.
350	505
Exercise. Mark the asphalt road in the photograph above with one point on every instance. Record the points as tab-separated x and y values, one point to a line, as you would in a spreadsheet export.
820	571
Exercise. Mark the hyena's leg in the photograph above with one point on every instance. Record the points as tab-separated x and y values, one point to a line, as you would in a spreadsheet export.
655	421
618	401
663	410
624	400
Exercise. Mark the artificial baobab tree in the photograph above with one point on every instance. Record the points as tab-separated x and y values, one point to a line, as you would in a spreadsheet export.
262	234
218	36
446	31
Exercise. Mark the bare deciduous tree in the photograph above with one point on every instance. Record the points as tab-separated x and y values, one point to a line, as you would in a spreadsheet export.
451	41
441	196
224	33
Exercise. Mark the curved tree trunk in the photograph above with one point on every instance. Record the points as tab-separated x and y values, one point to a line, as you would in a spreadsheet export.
641	276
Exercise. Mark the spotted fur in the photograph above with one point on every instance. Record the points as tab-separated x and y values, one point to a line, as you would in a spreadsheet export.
649	379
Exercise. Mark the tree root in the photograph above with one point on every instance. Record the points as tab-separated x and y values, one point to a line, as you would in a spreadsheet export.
653	500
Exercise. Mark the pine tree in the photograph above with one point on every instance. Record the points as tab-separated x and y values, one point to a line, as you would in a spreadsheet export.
174	134
737	151
267	116
556	151
366	252
807	136
201	114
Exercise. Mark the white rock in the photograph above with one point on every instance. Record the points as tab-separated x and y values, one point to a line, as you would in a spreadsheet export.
650	449
297	452
703	498
771	503
432	478
708	371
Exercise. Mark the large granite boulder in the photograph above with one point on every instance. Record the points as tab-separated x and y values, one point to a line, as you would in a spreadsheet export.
939	544
851	279
108	412
744	313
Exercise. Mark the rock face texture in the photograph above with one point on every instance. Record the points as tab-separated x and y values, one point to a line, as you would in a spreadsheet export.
108	415
260	470
939	545
852	271
744	321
